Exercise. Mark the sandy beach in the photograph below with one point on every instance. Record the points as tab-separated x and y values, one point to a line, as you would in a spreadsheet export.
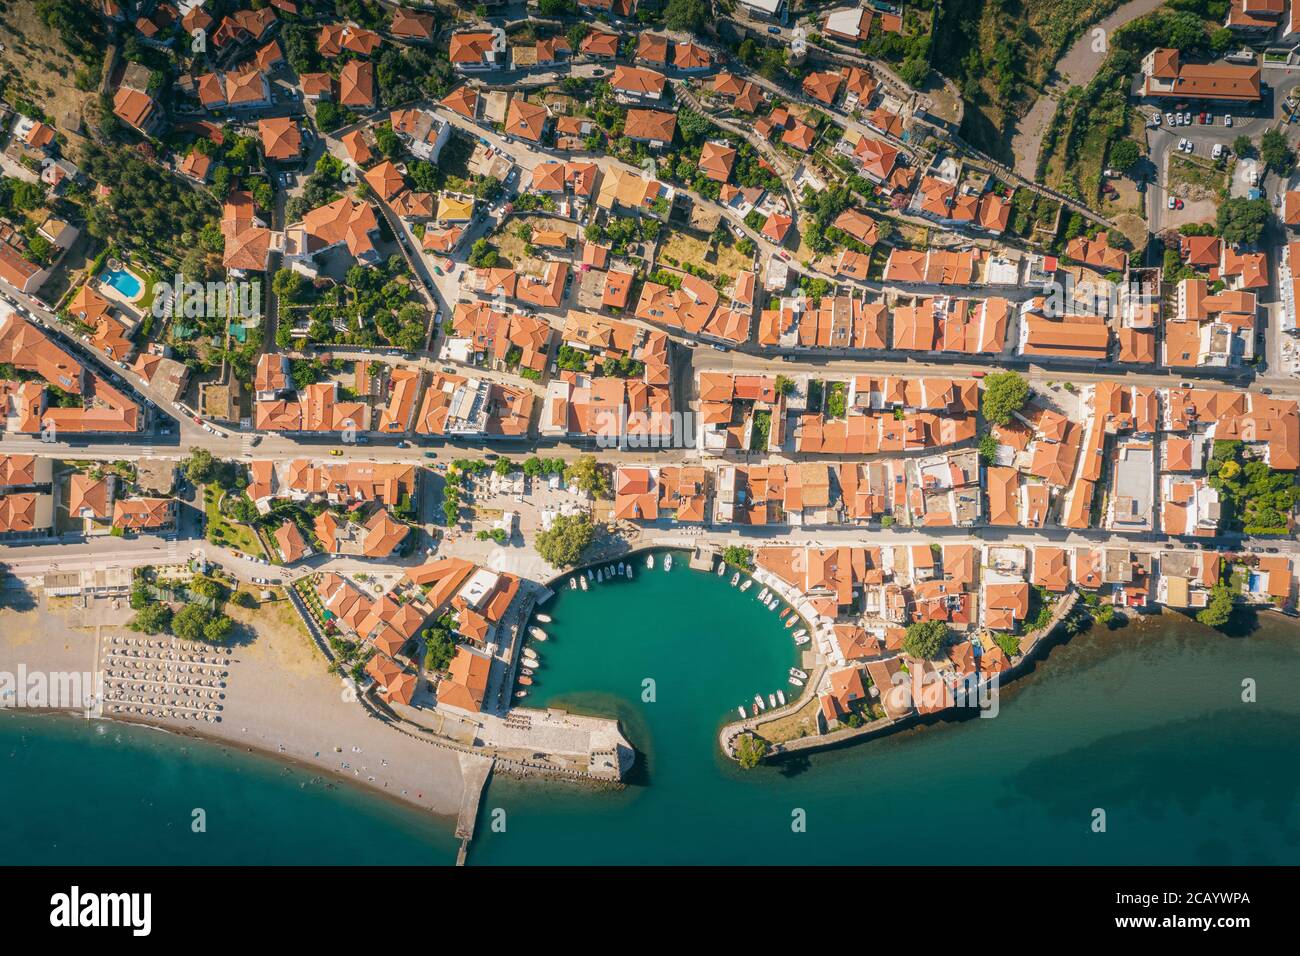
280	699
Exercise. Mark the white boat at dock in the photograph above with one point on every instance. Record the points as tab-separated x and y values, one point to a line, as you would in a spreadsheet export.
722	568
521	693
544	618
537	634
796	682
802	632
791	621
583	582
573	584
771	700
622	568
749	583
527	671
590	576
629	571
741	708
650	561
529	654
735	579
668	562
795	672
758	704
780	697
600	575
762	595
802	640
773	603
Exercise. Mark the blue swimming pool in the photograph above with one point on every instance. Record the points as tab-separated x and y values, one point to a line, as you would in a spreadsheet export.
124	282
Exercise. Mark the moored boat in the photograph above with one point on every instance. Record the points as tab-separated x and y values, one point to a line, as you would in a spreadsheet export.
650	561
573	583
583	582
621	567
527	671
771	700
749	583
791	621
795	672
741	708
780	697
802	640
526	681
735	579
590	576
762	595
758	703
722	568
629	571
668	562
537	634
600	575
802	632
796	682
544	618
521	693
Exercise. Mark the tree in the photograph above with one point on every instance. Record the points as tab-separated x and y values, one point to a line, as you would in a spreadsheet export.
738	556
750	750
1217	612
913	71
1241	221
925	639
1005	393
200	467
1275	152
502	467
152	619
1242	145
988	448
563	543
1124	154
689	15
586	474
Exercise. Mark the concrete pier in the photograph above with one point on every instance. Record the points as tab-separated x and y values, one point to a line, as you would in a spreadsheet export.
475	771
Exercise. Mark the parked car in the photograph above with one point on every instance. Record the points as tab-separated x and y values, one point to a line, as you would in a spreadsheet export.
336	451
776	30
1227	120
1155	119
1171	202
1217	151
1178	204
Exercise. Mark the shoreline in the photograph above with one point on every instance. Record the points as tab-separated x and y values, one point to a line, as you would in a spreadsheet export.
234	746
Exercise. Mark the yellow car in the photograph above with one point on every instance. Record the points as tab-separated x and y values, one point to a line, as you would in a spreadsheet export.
336	451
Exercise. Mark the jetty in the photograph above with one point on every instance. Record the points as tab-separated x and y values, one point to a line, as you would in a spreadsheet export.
702	557
475	771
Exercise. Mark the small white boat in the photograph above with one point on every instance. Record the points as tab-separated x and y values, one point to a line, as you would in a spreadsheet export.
791	621
544	618
773	603
537	634
735	579
795	672
796	682
771	700
621	567
527	671
521	693
758	703
600	575
573	584
742	712
650	561
749	583
802	640
583	582
780	697
722	568
802	632
762	595
668	562
590	576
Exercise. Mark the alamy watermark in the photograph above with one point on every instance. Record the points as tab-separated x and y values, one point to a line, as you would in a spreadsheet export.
46	690
205	300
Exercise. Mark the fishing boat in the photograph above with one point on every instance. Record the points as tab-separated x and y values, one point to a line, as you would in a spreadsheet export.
521	693
791	621
650	561
722	568
771	700
749	583
786	613
741	708
573	584
668	562
544	618
796	682
802	640
537	634
780	697
583	582
762	595
795	672
758	703
526	681
735	579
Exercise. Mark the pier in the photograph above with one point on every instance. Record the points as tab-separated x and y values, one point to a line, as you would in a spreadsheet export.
475	770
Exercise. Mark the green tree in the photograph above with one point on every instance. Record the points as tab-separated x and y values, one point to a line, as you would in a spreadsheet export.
502	467
1275	152
1219	609
750	750
152	619
1241	221
688	15
925	639
586	473
1124	154
1005	393
200	467
739	556
563	543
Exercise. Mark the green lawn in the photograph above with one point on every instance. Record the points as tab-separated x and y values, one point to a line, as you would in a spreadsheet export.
233	535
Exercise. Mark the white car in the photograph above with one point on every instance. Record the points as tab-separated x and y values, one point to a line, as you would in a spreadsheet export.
1182	144
1171	202
1187	119
1169	118
1217	151
1227	121
1190	146
1155	119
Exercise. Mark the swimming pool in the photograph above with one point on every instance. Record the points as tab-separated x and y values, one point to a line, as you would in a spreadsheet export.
126	283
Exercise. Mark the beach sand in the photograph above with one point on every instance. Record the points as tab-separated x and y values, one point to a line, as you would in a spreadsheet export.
280	699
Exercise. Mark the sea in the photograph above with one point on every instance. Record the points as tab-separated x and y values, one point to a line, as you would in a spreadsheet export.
1160	742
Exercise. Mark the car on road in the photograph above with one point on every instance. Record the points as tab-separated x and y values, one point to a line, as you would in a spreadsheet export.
1267	391
403	444
257	440
1227	120
430	454
336	451
978	373
775	30
598	72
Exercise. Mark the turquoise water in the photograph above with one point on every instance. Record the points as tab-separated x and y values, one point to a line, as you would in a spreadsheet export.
74	792
1145	723
123	281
